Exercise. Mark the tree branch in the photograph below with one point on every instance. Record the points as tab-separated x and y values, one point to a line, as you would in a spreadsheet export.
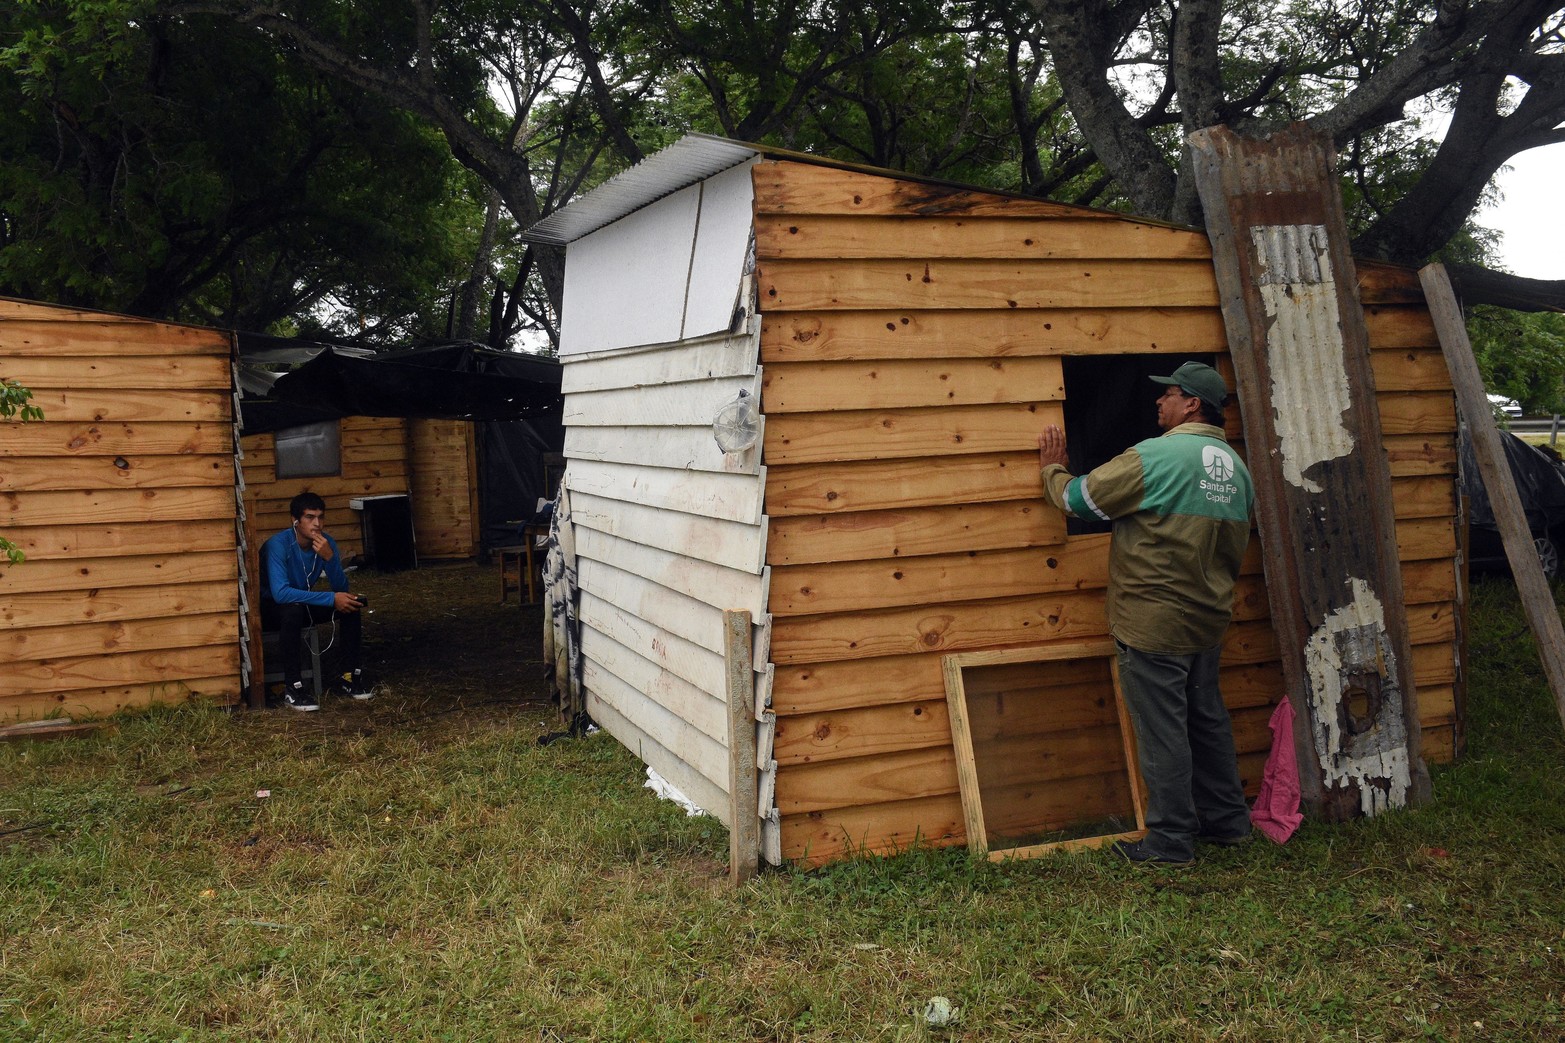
1082	36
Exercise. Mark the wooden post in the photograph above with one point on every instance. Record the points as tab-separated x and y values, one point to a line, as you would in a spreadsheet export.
1537	599
1300	351
255	697
744	830
475	521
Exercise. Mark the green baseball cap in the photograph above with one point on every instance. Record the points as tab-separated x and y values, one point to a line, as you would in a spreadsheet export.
1200	380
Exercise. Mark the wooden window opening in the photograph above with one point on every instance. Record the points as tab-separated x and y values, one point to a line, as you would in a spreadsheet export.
1110	405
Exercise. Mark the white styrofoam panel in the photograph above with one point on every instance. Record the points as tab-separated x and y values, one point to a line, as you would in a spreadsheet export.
625	284
708	583
732	544
693	448
722	240
730	497
693	403
695	358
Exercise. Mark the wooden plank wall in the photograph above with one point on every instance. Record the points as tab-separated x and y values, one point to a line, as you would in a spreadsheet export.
668	533
443	477
374	463
910	343
123	500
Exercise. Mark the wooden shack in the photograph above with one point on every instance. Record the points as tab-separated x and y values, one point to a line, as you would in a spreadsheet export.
432	462
906	340
139	509
123	500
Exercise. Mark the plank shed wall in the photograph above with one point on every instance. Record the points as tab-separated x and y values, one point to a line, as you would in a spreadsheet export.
658	334
122	498
443	483
374	463
911	345
668	534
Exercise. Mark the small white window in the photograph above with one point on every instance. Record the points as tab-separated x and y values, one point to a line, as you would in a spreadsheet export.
310	450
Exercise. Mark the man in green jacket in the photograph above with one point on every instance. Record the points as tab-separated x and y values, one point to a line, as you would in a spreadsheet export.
1180	507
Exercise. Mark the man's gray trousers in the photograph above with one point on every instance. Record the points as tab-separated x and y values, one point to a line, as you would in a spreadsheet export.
1186	745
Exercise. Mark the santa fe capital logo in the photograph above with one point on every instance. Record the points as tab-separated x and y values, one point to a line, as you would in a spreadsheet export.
1219	465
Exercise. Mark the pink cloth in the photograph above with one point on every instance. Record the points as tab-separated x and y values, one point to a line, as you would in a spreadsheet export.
1276	811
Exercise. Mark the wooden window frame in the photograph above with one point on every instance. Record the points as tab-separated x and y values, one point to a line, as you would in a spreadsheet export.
966	765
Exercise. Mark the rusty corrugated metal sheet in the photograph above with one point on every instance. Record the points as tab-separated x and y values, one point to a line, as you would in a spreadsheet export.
1301	354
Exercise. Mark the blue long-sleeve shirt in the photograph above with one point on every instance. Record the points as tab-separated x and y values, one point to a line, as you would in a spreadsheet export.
291	570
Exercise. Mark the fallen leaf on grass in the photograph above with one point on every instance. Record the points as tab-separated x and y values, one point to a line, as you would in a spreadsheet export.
939	1012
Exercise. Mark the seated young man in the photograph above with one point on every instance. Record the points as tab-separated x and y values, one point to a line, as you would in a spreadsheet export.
291	562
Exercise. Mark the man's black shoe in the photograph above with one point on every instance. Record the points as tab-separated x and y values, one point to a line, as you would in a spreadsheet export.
298	697
1136	851
354	687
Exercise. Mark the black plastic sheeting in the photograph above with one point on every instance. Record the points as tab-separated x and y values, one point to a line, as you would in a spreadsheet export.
514	400
1540	483
450	381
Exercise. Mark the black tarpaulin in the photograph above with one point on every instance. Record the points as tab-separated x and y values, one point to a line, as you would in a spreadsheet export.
451	382
513	400
1540	484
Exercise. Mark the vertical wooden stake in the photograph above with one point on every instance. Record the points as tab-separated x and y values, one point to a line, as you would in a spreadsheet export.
255	697
1537	598
1127	735
744	830
966	762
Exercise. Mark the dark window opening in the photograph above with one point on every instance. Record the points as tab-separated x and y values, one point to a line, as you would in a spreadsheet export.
1110	405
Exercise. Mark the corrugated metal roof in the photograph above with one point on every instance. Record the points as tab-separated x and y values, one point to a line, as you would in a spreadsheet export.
692	158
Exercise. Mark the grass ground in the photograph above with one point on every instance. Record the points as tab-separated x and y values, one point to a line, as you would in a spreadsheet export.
424	870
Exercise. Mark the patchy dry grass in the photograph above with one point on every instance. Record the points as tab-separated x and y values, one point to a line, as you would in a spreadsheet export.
424	870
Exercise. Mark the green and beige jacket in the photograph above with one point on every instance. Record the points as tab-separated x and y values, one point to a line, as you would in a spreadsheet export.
1180	505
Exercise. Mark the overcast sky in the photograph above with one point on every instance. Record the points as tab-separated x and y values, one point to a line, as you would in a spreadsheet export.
1533	214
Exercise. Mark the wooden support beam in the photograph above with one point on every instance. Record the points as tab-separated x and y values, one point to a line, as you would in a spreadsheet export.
1537	599
1300	350
255	694
744	830
59	728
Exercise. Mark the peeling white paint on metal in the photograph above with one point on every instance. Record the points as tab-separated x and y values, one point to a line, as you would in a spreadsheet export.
1304	348
1352	640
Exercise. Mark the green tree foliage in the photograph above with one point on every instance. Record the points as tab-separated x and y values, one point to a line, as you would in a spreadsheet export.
14	405
1521	355
189	169
1086	101
1138	76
